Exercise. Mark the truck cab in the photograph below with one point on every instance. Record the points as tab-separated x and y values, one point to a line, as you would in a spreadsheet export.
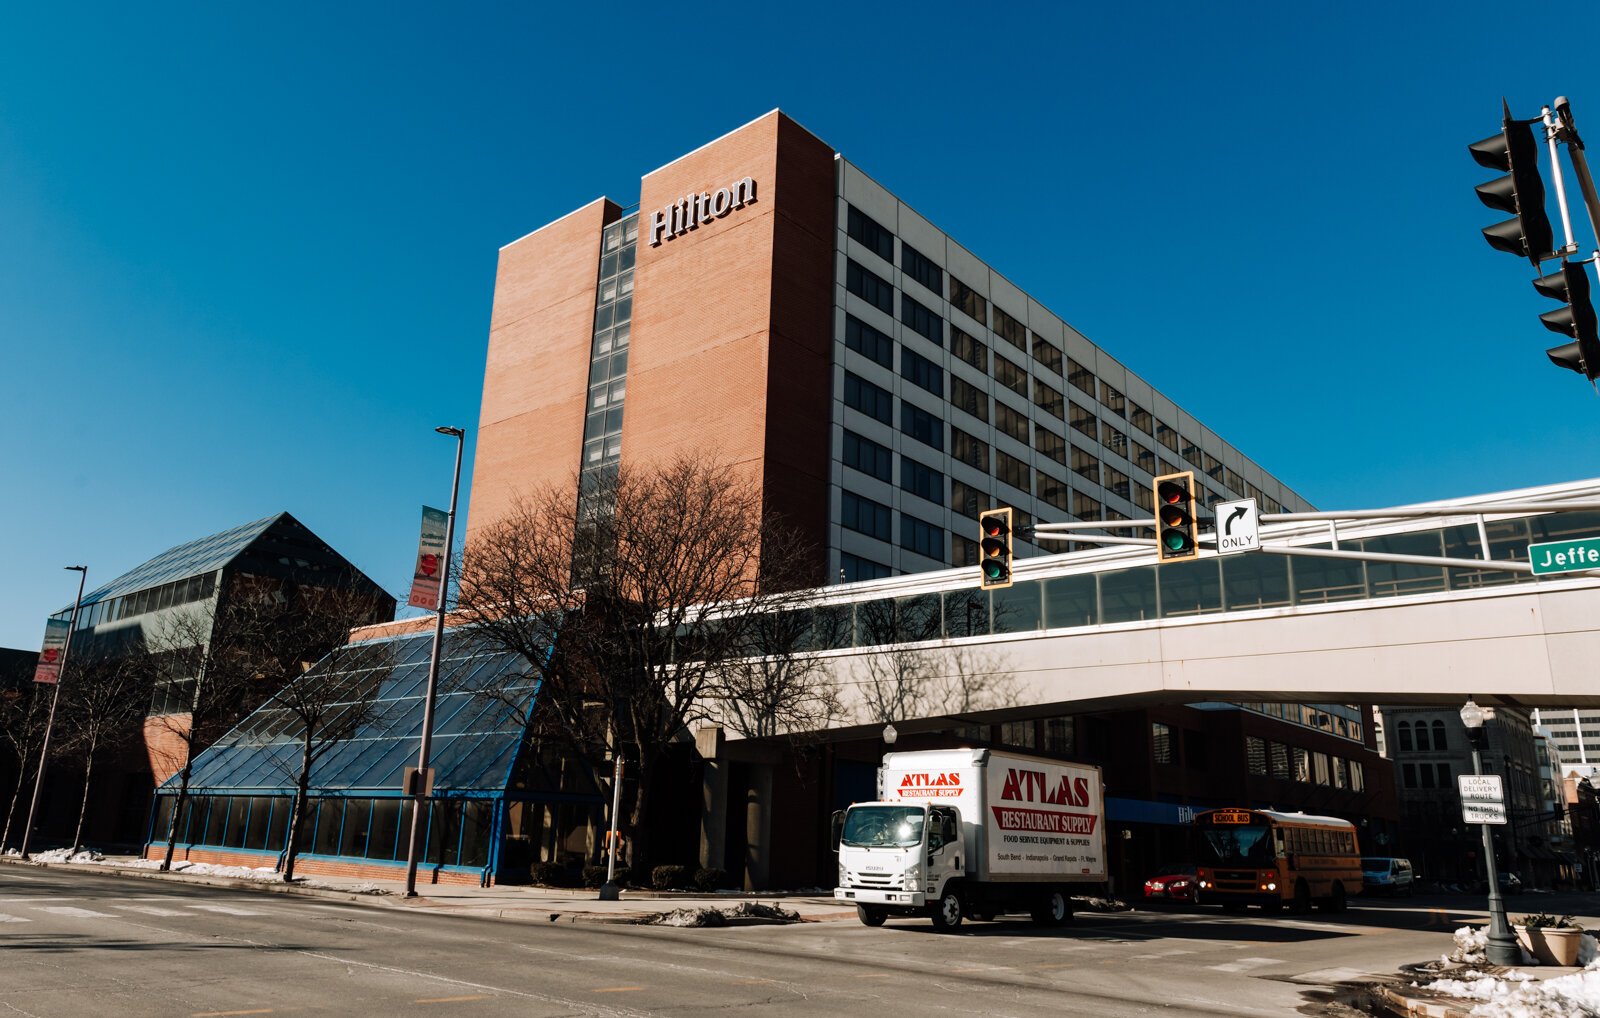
900	858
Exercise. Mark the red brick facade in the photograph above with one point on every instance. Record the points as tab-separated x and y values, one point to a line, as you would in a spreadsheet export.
317	866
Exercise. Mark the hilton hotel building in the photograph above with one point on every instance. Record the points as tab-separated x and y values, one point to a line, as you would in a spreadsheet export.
769	304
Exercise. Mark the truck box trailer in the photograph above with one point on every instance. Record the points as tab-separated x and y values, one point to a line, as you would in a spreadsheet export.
972	833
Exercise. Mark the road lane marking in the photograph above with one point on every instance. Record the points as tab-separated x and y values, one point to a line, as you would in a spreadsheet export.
72	912
617	989
13	919
1244	964
229	1014
749	982
874	975
227	910
155	910
452	1000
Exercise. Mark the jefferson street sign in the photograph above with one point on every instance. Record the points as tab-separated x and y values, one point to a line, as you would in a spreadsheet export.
1565	556
1238	527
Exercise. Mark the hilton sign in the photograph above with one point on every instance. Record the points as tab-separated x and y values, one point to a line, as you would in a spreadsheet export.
692	210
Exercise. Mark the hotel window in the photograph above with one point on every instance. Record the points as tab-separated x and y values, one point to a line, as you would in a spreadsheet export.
1046	398
1116	482
1114	440
1084	507
869	286
1319	767
1302	765
1012	471
1161	743
865	516
921	321
1140	417
1112	399
1080	376
1050	444
1009	329
921	425
921	480
868	342
1052	491
969	350
1167	436
1010	422
871	235
868	456
1255	752
968	397
914	264
966	500
862	395
1083	420
966	449
1011	376
855	568
964	297
1047	353
921	372
1341	777
1358	778
921	537
1278	755
1085	464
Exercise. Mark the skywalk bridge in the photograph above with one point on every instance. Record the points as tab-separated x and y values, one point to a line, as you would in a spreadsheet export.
1108	627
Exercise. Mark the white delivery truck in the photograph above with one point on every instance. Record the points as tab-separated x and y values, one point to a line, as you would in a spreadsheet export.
972	832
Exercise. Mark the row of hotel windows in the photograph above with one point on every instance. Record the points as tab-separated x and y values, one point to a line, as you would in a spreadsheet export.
879	292
1292	763
608	352
185	591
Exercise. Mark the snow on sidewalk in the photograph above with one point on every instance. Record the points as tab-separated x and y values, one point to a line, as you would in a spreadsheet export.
262	874
1517	994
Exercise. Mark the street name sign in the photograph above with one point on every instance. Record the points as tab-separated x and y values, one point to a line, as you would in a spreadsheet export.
1565	556
1238	527
1483	799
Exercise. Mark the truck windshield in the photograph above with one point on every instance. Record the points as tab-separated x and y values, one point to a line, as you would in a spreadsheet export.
1234	846
883	826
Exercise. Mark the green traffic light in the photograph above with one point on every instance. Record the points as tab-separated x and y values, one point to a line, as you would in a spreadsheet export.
994	570
1176	540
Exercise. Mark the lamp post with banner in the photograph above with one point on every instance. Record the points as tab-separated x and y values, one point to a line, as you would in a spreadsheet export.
1502	947
52	666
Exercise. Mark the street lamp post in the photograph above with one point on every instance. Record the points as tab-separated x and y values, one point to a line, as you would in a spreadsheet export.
55	697
420	791
1502	948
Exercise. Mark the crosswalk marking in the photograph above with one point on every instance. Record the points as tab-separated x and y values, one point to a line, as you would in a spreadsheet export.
13	919
227	910
72	912
1244	964
155	910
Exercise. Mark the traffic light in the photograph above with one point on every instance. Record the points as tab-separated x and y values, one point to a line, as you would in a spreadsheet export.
995	547
1520	192
1176	529
1570	285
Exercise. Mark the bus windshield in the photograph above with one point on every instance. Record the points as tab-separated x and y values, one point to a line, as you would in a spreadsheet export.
883	826
1236	846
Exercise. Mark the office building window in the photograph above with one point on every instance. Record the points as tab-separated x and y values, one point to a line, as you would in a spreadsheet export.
1140	418
862	395
1046	398
870	234
1059	736
919	267
1444	775
1009	329
869	286
921	372
1191	450
921	320
1080	377
1116	483
921	480
1083	420
1011	376
967	500
964	448
1086	508
968	397
921	425
963	552
1085	464
921	537
1050	444
1212	466
1255	751
1047	353
1012	471
1019	734
868	456
854	568
1438	736
964	297
1052	491
1112	399
867	341
1167	436
1358	778
969	350
1010	422
1319	767
1278	756
1145	499
864	516
1301	761
1114	440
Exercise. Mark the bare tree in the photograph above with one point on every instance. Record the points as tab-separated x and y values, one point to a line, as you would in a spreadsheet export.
23	713
777	686
902	678
101	708
628	593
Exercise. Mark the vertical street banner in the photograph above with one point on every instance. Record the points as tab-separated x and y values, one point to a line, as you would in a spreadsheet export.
55	648
425	582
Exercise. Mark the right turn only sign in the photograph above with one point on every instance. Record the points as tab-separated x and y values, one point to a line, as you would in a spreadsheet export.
1238	527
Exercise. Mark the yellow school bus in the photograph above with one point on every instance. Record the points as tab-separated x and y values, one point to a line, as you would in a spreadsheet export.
1263	857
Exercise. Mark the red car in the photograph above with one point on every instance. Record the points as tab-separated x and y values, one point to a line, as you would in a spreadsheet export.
1174	883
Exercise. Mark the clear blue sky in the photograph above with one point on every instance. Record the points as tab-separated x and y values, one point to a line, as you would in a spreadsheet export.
247	252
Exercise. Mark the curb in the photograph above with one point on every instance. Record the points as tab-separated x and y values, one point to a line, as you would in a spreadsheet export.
1421	1007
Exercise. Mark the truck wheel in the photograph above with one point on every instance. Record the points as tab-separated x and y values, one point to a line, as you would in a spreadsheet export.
1054	909
946	912
871	915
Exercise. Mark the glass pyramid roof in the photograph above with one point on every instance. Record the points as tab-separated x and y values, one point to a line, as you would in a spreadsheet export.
192	558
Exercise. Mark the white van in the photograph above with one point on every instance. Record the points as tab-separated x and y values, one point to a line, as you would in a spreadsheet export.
1386	875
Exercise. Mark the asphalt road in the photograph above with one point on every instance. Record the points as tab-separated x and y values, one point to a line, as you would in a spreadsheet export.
74	943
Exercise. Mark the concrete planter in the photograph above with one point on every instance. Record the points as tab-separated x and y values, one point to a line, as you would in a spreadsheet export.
1552	945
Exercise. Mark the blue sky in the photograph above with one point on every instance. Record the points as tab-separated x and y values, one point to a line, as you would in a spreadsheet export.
247	251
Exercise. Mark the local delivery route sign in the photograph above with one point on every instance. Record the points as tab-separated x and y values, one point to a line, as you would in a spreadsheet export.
1565	556
1483	799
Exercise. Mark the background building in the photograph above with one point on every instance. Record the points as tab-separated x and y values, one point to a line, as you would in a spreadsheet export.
1575	734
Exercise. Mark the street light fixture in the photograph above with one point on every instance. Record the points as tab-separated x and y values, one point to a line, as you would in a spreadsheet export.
1502	948
421	791
55	697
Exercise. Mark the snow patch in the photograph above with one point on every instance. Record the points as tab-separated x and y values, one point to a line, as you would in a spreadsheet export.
60	855
706	916
1519	995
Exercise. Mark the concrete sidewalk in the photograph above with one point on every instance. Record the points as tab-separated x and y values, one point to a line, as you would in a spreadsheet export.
507	902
